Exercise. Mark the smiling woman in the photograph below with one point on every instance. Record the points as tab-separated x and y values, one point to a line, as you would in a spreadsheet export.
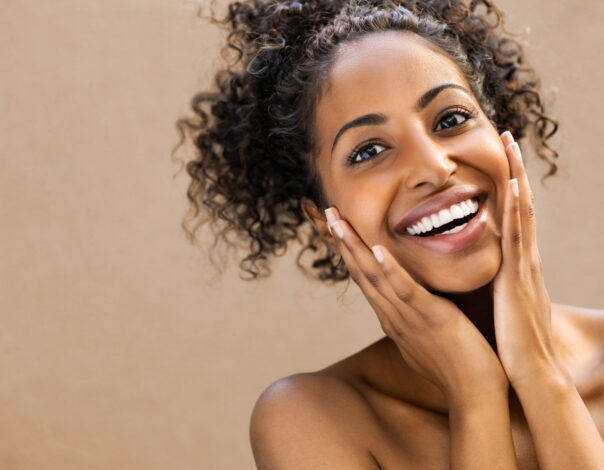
434	148
383	133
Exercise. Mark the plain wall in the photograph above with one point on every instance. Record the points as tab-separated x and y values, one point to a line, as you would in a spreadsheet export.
119	346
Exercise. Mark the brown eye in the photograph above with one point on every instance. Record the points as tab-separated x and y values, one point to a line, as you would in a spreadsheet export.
365	153
452	120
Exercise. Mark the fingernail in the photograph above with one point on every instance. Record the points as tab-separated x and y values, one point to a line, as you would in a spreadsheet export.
507	138
513	145
331	216
377	252
336	228
514	184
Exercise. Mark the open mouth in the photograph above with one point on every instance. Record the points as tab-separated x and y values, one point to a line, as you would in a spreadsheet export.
456	225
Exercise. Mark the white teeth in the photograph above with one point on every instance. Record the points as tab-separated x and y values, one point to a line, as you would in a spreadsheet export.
456	229
465	208
427	223
444	216
456	212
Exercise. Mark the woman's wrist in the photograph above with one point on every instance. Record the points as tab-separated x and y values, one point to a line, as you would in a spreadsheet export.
552	375
555	385
562	429
481	435
465	399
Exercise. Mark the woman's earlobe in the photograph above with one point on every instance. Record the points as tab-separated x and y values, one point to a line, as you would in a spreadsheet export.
316	217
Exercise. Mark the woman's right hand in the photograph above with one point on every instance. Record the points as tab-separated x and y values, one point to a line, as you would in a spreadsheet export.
433	335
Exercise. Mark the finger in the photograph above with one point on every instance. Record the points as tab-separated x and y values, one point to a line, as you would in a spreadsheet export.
526	198
431	310
384	310
511	242
413	305
360	262
358	250
368	274
507	138
352	250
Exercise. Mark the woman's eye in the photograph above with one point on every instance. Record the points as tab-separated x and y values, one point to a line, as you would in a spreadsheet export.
365	153
451	120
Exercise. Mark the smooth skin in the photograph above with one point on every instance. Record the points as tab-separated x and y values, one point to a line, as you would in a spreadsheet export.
478	369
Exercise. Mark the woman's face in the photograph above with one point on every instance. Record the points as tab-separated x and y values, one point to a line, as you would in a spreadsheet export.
425	136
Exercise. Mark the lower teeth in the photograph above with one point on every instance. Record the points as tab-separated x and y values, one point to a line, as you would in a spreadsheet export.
455	229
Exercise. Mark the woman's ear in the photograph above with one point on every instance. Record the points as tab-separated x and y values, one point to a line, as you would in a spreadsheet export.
316	217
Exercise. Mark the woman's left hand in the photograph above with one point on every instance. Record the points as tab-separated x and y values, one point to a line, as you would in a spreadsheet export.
522	308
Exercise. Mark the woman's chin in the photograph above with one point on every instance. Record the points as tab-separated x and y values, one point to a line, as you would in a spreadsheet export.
464	280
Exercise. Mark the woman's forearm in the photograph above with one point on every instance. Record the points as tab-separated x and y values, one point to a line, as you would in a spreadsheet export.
481	435
564	433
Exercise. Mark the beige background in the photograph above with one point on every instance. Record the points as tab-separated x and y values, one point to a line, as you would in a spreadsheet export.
120	348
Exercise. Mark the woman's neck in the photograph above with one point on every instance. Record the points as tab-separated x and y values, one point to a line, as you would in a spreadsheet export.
478	307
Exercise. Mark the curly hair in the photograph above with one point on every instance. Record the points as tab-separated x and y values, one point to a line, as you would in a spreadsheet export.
254	136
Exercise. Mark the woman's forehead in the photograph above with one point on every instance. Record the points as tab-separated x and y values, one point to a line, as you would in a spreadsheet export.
403	57
382	69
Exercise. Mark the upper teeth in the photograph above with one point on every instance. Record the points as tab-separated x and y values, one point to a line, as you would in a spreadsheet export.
444	216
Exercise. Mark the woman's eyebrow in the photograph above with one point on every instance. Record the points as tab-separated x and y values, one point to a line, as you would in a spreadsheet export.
379	118
427	97
366	120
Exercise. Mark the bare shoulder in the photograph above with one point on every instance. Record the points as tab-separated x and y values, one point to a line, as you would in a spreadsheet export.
579	334
310	420
588	322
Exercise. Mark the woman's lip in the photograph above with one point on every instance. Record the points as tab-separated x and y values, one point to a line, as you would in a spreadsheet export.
452	242
436	203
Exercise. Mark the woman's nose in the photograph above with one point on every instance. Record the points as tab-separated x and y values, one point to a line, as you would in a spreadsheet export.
426	162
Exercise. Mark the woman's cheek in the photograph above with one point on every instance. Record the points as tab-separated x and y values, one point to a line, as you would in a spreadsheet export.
495	162
499	170
365	208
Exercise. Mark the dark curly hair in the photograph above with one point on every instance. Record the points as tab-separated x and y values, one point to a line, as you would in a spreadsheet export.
254	136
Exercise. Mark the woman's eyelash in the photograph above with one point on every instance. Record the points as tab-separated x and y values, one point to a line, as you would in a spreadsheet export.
357	151
353	158
452	113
